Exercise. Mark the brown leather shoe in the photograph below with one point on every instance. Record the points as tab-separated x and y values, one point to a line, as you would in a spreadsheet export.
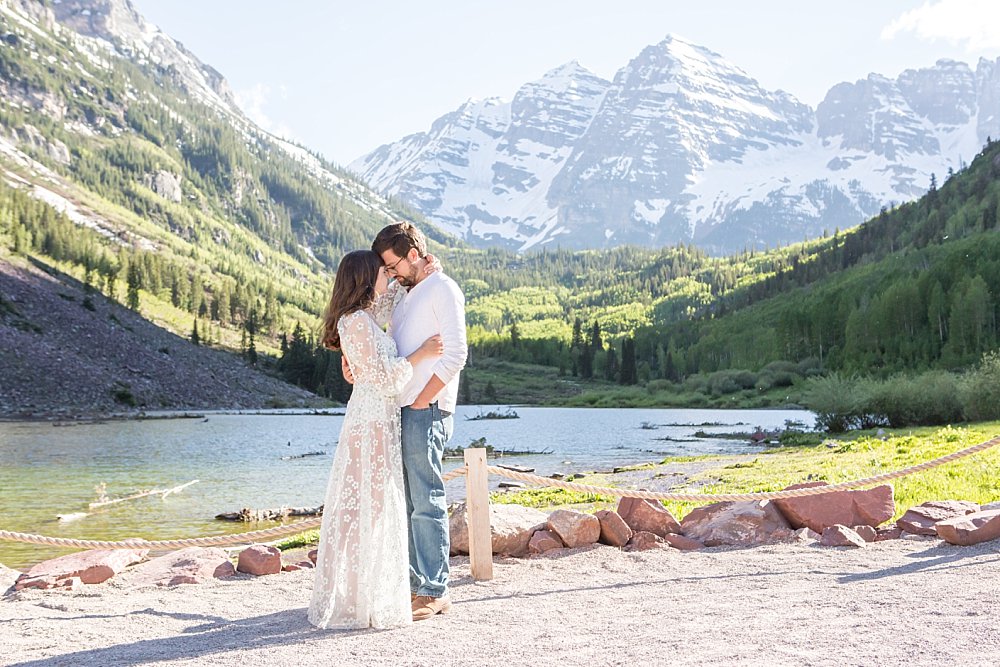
424	606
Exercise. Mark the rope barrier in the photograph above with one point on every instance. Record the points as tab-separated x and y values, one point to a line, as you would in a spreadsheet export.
300	526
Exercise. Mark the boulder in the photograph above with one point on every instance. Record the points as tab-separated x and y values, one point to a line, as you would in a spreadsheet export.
869	507
614	530
313	555
883	533
511	527
193	565
970	528
742	523
841	536
867	533
544	540
90	567
682	542
575	529
259	559
644	540
647	515
7	578
920	520
806	535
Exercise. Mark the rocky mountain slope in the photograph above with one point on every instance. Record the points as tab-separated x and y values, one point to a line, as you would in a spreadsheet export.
683	146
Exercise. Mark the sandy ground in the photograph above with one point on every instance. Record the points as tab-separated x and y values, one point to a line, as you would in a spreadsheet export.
902	602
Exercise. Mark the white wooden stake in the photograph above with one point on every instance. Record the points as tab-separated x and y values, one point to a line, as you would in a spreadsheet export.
477	507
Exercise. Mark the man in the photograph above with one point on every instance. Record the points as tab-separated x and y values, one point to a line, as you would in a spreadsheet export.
433	304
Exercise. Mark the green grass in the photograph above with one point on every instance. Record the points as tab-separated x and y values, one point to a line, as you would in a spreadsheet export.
849	457
306	539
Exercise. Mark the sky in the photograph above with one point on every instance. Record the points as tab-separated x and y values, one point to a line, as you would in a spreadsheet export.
343	78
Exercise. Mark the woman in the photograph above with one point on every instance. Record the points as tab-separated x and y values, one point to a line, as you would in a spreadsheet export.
362	568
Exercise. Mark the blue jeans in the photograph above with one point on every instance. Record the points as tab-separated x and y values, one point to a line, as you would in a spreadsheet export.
425	434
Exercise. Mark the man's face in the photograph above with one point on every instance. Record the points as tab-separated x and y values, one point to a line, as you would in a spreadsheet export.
400	268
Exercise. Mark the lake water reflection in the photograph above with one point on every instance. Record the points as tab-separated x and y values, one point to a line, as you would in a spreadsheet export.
243	460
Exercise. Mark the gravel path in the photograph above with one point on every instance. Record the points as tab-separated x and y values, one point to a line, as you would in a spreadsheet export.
903	602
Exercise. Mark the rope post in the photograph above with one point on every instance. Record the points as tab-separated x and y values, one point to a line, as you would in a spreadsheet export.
477	512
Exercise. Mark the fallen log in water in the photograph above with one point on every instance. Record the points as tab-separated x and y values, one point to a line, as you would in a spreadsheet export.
302	456
142	494
247	514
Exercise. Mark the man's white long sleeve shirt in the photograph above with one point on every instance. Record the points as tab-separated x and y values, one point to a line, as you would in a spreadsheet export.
435	305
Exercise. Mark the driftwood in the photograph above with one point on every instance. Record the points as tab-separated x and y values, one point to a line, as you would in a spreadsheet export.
247	514
494	414
515	468
142	494
302	456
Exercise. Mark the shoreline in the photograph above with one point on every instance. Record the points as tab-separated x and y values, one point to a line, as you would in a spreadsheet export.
150	415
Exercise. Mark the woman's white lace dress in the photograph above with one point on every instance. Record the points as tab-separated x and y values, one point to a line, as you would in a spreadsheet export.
362	568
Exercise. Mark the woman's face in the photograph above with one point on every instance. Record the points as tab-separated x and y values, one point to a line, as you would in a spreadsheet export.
381	281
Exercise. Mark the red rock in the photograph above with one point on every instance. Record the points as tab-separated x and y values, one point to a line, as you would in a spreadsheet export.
312	556
647	515
193	565
575	529
544	540
867	533
511	527
7	578
920	520
883	533
36	582
258	560
91	567
841	536
736	523
614	530
806	535
869	507
71	583
292	567
971	528
681	542
644	540
306	564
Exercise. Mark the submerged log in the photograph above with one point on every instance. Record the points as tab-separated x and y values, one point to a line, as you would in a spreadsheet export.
142	494
247	514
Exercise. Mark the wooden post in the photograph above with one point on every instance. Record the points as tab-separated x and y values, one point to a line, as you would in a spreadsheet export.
477	512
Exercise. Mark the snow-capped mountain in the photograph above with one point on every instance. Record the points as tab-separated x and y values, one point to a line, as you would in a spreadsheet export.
683	146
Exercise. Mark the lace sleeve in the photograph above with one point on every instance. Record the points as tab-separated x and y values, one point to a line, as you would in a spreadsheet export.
369	356
386	303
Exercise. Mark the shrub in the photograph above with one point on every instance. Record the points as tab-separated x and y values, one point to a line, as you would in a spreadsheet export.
840	402
980	389
928	399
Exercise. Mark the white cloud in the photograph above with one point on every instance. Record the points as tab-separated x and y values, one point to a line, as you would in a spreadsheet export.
972	23
253	100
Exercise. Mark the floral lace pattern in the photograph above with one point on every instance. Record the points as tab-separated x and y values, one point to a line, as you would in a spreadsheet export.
362	567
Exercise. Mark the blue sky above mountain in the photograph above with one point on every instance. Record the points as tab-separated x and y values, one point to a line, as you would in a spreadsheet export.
344	78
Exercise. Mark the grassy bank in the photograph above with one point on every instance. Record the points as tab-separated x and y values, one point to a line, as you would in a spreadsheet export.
847	457
851	456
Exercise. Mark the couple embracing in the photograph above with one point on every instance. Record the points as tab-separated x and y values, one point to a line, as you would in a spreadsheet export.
383	553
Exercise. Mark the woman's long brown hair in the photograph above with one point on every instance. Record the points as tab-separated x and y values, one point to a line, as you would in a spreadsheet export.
353	289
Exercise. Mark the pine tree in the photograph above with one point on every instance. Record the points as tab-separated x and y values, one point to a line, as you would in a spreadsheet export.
134	281
515	335
195	338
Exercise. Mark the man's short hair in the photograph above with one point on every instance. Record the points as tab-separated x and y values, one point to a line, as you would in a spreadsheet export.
400	237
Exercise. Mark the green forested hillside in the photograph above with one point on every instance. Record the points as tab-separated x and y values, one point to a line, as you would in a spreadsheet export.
193	217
